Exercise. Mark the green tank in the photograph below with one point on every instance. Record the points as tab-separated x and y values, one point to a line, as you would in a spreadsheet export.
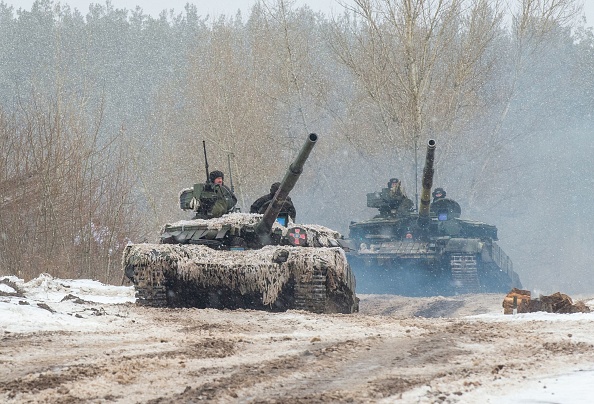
245	260
430	252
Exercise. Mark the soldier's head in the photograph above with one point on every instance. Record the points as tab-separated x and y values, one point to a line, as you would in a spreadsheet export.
393	183
439	193
216	177
274	187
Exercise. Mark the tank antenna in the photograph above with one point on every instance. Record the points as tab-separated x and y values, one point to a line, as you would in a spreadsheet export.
229	155
206	162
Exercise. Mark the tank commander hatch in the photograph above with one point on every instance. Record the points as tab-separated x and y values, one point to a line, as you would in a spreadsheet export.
391	201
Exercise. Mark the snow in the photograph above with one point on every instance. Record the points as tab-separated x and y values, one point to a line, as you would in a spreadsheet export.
27	313
573	387
26	309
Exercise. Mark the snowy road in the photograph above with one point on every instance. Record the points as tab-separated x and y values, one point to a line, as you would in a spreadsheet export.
462	350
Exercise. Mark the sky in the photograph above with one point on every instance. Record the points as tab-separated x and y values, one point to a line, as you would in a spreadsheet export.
227	7
28	311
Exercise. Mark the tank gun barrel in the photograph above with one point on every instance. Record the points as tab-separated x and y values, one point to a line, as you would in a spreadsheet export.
427	180
264	227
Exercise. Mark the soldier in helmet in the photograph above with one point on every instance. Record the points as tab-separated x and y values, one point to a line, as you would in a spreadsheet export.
260	204
438	193
214	198
397	197
227	199
444	208
391	201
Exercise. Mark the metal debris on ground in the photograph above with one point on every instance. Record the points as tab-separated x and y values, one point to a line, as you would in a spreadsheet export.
520	301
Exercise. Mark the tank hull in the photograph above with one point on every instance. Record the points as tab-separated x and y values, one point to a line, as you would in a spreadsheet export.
274	278
440	267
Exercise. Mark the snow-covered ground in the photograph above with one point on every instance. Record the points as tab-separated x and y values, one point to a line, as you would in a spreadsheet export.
471	354
28	312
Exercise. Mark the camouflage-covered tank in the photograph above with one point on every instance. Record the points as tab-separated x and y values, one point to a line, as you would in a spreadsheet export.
430	252
245	260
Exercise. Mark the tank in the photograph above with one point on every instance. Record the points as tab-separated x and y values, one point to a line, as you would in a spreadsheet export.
245	260
430	252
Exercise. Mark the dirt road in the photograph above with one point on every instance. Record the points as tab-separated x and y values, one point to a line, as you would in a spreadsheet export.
417	350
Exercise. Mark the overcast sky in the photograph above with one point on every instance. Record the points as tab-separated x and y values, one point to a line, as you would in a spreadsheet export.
217	7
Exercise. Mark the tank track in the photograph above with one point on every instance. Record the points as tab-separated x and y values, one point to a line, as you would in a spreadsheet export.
149	288
310	295
464	273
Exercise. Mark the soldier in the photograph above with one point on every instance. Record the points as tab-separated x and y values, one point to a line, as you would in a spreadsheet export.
216	177
443	207
213	199
391	201
397	199
228	199
438	194
260	204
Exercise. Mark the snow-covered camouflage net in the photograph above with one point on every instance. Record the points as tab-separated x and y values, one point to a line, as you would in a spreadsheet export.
233	219
319	236
246	271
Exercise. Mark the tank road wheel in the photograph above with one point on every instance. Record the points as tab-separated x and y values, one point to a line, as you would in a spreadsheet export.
464	273
149	288
310	295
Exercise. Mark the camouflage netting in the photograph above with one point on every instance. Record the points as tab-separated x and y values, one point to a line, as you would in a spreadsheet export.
246	271
319	236
233	219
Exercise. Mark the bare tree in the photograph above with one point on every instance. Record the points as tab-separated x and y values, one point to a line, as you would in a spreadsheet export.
64	194
427	68
223	106
535	24
419	62
251	92
420	66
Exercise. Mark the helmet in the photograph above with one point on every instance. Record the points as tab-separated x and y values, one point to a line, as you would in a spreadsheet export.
393	181
215	174
439	193
274	187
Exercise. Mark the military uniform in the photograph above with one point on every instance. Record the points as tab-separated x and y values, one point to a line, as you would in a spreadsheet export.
443	207
391	201
395	203
227	200
213	200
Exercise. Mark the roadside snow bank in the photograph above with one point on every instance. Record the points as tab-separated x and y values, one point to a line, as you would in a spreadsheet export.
49	304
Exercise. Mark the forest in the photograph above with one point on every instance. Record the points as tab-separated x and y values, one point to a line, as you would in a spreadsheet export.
103	118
